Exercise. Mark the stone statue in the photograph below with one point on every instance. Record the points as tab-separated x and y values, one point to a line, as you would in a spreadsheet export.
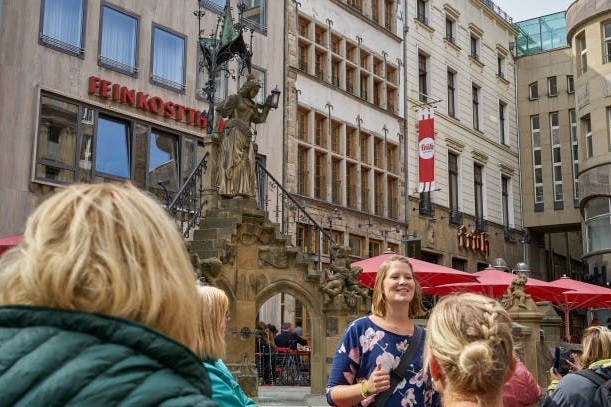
342	278
515	295
236	163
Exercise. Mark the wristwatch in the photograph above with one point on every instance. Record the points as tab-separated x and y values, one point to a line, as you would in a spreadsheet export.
364	391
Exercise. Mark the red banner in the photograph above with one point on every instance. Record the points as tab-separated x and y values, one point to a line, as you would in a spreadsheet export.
426	150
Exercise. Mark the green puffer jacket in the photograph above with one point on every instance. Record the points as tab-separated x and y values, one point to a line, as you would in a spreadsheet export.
51	357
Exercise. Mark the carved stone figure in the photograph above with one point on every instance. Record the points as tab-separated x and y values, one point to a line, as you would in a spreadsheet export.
342	278
236	163
515	295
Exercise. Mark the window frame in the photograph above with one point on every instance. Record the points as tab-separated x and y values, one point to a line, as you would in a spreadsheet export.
261	25
116	65
476	106
597	217
422	11
535	133
573	130
533	88
582	51
570	84
161	81
606	42
501	62
552	86
453	181
503	124
478	191
474	46
450	34
423	77
556	155
451	87
505	200
57	43
587	133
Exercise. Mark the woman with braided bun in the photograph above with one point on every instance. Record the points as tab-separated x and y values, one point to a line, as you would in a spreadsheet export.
469	350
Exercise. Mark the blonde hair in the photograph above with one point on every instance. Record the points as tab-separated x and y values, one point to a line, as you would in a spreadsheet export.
106	248
469	335
213	307
596	344
378	301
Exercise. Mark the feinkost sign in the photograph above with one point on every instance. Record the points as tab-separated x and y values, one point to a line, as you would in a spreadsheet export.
143	101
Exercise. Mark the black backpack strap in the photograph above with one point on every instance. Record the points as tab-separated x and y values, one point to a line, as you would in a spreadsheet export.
397	374
592	375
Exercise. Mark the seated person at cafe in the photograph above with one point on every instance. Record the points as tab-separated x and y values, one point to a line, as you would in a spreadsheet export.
288	338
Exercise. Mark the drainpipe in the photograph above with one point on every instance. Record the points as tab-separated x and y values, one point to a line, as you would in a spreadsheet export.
405	138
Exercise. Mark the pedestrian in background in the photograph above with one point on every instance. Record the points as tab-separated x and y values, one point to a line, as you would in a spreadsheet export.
89	305
583	386
521	389
386	341
214	315
469	350
288	338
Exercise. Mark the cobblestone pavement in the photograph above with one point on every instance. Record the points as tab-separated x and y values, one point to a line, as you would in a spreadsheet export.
288	396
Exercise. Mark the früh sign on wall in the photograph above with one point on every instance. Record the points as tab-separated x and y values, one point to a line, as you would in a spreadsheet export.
426	150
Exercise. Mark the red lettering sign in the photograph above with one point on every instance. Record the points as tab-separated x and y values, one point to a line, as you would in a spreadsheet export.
475	240
142	101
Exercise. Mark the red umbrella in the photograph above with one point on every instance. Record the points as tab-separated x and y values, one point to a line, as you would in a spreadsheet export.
8	242
493	283
427	274
579	295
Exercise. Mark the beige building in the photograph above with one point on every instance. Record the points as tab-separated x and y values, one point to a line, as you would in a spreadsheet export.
112	91
589	32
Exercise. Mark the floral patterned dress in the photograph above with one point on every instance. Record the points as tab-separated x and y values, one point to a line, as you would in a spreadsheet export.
363	346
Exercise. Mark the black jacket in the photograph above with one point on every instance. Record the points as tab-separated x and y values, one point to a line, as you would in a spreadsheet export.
577	391
286	339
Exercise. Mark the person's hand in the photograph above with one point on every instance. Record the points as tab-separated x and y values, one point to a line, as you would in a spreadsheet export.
378	381
554	374
574	362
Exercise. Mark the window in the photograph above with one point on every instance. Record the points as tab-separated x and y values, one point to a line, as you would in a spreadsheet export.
570	84
587	131
302	171
356	243
62	25
459	264
535	132
203	84
118	41
582	51
552	86
163	160
478	186
474	41
453	182
475	106
533	91
215	5
254	14
554	126
375	248
320	184
607	39
500	65
450	30
365	190
422	11
423	77
425	204
72	147
336	182
168	65
451	94
575	151
503	133
597	217
505	200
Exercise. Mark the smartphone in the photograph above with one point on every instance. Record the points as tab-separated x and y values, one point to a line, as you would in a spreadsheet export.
561	357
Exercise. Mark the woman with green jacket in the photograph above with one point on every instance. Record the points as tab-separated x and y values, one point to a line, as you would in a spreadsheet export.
214	313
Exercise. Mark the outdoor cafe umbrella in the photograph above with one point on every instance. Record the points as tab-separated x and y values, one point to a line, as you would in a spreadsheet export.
493	283
427	274
578	294
8	242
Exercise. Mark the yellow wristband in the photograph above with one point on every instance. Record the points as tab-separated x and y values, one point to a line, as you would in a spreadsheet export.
364	390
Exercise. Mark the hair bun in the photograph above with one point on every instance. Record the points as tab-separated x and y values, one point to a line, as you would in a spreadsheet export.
476	359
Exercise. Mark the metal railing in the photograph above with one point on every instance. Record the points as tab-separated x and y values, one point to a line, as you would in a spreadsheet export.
186	206
283	208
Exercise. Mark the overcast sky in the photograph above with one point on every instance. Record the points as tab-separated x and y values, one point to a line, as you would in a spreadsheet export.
521	10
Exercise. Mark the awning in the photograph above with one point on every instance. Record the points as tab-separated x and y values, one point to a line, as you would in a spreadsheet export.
427	274
10	241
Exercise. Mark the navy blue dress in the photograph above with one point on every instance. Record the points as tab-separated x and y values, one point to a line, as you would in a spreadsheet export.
363	346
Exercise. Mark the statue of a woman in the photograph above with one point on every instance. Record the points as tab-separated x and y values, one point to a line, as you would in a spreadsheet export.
236	166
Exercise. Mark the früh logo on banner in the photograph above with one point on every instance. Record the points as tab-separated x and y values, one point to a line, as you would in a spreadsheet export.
426	150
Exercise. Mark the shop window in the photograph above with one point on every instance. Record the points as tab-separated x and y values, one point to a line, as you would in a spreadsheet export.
112	147
62	25
168	59
118	41
163	160
57	132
